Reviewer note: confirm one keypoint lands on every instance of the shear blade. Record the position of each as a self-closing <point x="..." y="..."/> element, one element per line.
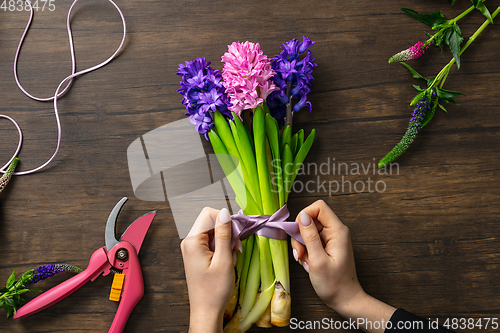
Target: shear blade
<point x="110" y="233"/>
<point x="136" y="232"/>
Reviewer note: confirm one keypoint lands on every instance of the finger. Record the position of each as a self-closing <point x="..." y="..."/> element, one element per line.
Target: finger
<point x="222" y="237"/>
<point x="204" y="222"/>
<point x="321" y="212"/>
<point x="310" y="235"/>
<point x="304" y="262"/>
<point x="298" y="249"/>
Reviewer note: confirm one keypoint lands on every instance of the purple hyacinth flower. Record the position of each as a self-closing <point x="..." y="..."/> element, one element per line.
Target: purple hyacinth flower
<point x="202" y="94"/>
<point x="294" y="67"/>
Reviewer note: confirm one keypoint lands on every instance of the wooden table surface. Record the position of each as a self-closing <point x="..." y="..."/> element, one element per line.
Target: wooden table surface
<point x="427" y="243"/>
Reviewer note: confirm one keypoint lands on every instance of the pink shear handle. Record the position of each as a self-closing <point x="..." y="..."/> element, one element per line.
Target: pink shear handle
<point x="97" y="266"/>
<point x="133" y="289"/>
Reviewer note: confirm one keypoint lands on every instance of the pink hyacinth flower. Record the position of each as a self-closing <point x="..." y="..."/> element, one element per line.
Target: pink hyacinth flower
<point x="411" y="53"/>
<point x="246" y="76"/>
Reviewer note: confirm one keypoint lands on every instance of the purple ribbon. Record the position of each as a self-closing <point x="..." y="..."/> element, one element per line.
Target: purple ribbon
<point x="271" y="226"/>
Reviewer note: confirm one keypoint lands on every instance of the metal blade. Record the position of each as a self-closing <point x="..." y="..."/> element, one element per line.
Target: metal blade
<point x="136" y="232"/>
<point x="110" y="233"/>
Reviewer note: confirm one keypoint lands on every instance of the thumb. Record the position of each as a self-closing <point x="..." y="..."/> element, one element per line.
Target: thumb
<point x="222" y="237"/>
<point x="310" y="235"/>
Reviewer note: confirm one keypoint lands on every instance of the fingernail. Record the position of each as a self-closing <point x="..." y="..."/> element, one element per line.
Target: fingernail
<point x="224" y="216"/>
<point x="295" y="255"/>
<point x="306" y="266"/>
<point x="305" y="220"/>
<point x="235" y="259"/>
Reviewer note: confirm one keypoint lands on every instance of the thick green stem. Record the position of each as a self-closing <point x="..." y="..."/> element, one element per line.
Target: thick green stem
<point x="443" y="74"/>
<point x="451" y="22"/>
<point x="266" y="262"/>
<point x="279" y="251"/>
<point x="252" y="283"/>
<point x="249" y="244"/>
<point x="259" y="308"/>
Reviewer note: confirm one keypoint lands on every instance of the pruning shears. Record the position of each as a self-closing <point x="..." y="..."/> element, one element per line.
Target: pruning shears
<point x="118" y="257"/>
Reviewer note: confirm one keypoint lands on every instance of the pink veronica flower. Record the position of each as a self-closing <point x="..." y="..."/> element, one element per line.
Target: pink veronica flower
<point x="246" y="76"/>
<point x="411" y="53"/>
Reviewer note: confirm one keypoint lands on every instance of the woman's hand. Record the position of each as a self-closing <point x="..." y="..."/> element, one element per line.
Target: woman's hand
<point x="327" y="255"/>
<point x="328" y="258"/>
<point x="209" y="275"/>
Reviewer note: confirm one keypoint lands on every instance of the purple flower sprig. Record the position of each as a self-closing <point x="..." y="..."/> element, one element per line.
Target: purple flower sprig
<point x="420" y="116"/>
<point x="434" y="90"/>
<point x="293" y="67"/>
<point x="10" y="296"/>
<point x="203" y="94"/>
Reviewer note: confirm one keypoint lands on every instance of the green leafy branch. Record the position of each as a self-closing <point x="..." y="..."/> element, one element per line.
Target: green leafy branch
<point x="448" y="31"/>
<point x="427" y="99"/>
<point x="10" y="296"/>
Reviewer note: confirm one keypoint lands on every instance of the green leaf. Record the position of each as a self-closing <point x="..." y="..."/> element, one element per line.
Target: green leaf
<point x="447" y="95"/>
<point x="429" y="82"/>
<point x="442" y="108"/>
<point x="31" y="290"/>
<point x="452" y="3"/>
<point x="479" y="5"/>
<point x="286" y="138"/>
<point x="301" y="154"/>
<point x="414" y="73"/>
<point x="287" y="165"/>
<point x="11" y="280"/>
<point x="431" y="20"/>
<point x="454" y="39"/>
<point x="9" y="301"/>
<point x="418" y="88"/>
<point x="418" y="97"/>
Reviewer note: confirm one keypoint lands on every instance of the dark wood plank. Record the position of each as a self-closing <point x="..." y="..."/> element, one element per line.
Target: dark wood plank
<point x="428" y="243"/>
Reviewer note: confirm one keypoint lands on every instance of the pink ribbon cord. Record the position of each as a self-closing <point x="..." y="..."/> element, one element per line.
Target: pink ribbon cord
<point x="273" y="226"/>
<point x="66" y="83"/>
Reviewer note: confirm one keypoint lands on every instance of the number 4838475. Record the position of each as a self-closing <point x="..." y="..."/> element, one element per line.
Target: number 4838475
<point x="20" y="5"/>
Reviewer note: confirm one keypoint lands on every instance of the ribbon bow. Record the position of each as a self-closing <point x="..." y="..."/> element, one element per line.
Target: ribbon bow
<point x="273" y="226"/>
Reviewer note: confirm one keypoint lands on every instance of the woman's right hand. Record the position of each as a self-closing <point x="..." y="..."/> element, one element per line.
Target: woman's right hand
<point x="327" y="255"/>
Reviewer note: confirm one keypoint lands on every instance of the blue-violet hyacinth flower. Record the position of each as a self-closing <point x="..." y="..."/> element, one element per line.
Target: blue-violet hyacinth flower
<point x="293" y="77"/>
<point x="424" y="106"/>
<point x="203" y="94"/>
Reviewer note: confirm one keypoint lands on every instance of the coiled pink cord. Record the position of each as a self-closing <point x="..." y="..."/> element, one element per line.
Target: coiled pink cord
<point x="67" y="81"/>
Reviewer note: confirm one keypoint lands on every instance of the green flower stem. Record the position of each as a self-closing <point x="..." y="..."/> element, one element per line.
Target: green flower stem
<point x="234" y="178"/>
<point x="443" y="74"/>
<point x="246" y="149"/>
<point x="451" y="22"/>
<point x="260" y="140"/>
<point x="279" y="251"/>
<point x="252" y="283"/>
<point x="289" y="113"/>
<point x="247" y="252"/>
<point x="260" y="306"/>
<point x="266" y="262"/>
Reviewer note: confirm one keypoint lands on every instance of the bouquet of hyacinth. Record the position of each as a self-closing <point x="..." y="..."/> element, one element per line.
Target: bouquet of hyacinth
<point x="246" y="114"/>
